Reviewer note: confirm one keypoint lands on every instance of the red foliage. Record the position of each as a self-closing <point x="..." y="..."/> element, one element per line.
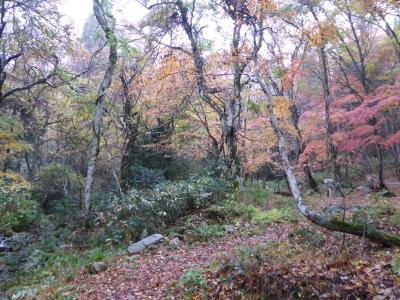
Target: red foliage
<point x="393" y="139"/>
<point x="358" y="125"/>
<point x="375" y="120"/>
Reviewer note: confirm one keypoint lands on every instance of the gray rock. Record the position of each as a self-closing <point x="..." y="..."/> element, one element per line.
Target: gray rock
<point x="328" y="181"/>
<point x="135" y="248"/>
<point x="96" y="267"/>
<point x="140" y="245"/>
<point x="229" y="229"/>
<point x="175" y="242"/>
<point x="3" y="244"/>
<point x="63" y="246"/>
<point x="99" y="266"/>
<point x="25" y="294"/>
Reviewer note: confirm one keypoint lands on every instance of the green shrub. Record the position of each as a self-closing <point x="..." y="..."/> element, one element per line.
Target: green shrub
<point x="38" y="266"/>
<point x="97" y="254"/>
<point x="396" y="263"/>
<point x="192" y="281"/>
<point x="235" y="209"/>
<point x="58" y="189"/>
<point x="142" y="177"/>
<point x="206" y="231"/>
<point x="395" y="218"/>
<point x="284" y="211"/>
<point x="248" y="258"/>
<point x="58" y="177"/>
<point x="259" y="197"/>
<point x="273" y="215"/>
<point x="372" y="214"/>
<point x="17" y="210"/>
<point x="162" y="204"/>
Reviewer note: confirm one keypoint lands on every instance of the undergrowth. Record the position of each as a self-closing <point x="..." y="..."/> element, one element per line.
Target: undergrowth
<point x="281" y="270"/>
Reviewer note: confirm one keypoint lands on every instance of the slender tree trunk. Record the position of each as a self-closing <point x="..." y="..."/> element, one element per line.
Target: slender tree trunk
<point x="330" y="147"/>
<point x="295" y="120"/>
<point x="397" y="167"/>
<point x="380" y="175"/>
<point x="98" y="119"/>
<point x="309" y="178"/>
<point x="230" y="128"/>
<point x="127" y="158"/>
<point x="131" y="135"/>
<point x="396" y="161"/>
<point x="332" y="151"/>
<point x="236" y="100"/>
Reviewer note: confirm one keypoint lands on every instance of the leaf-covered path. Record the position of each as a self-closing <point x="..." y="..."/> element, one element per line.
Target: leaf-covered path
<point x="151" y="274"/>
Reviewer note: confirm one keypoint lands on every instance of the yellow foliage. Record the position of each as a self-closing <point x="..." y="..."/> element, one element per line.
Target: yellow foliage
<point x="11" y="134"/>
<point x="17" y="181"/>
<point x="323" y="33"/>
<point x="261" y="7"/>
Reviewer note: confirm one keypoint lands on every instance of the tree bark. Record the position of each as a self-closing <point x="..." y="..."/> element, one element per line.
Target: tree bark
<point x="295" y="120"/>
<point x="127" y="158"/>
<point x="131" y="133"/>
<point x="108" y="29"/>
<point x="380" y="175"/>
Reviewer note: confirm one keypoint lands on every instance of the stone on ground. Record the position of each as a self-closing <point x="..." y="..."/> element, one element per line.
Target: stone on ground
<point x="96" y="267"/>
<point x="142" y="244"/>
<point x="174" y="243"/>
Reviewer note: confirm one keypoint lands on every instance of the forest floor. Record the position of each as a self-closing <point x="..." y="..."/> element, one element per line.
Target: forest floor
<point x="283" y="252"/>
<point x="150" y="275"/>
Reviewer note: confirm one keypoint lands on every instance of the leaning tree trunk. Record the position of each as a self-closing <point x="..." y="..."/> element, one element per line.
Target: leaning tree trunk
<point x="98" y="119"/>
<point x="323" y="220"/>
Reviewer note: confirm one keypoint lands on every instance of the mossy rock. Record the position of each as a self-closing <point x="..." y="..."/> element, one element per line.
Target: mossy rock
<point x="96" y="267"/>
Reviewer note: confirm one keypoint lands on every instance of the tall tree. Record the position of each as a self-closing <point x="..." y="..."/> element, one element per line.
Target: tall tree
<point x="106" y="22"/>
<point x="225" y="99"/>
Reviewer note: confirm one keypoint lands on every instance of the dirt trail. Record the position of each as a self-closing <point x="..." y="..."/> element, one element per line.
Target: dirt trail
<point x="150" y="274"/>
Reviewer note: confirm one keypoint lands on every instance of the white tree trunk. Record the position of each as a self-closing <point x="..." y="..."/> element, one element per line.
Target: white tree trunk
<point x="98" y="118"/>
